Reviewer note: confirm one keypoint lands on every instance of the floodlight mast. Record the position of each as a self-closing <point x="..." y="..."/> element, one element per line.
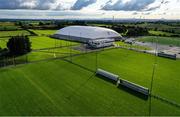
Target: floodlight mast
<point x="70" y="48"/>
<point x="55" y="46"/>
<point x="14" y="61"/>
<point x="25" y="48"/>
<point x="96" y="60"/>
<point x="153" y="74"/>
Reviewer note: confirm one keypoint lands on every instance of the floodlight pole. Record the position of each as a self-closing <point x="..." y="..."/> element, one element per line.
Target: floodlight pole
<point x="70" y="48"/>
<point x="96" y="60"/>
<point x="26" y="58"/>
<point x="152" y="78"/>
<point x="14" y="61"/>
<point x="70" y="52"/>
<point x="55" y="46"/>
<point x="113" y="20"/>
<point x="4" y="61"/>
<point x="86" y="47"/>
<point x="25" y="49"/>
<point x="60" y="43"/>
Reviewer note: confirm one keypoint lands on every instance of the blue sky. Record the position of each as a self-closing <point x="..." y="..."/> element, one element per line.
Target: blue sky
<point x="57" y="9"/>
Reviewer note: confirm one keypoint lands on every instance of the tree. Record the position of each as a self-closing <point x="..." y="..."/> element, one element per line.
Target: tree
<point x="18" y="23"/>
<point x="41" y="23"/>
<point x="19" y="45"/>
<point x="137" y="31"/>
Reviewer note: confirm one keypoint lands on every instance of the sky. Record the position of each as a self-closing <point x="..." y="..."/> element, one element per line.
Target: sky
<point x="90" y="9"/>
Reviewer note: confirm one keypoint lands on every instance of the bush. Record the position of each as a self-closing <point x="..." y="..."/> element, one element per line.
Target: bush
<point x="19" y="45"/>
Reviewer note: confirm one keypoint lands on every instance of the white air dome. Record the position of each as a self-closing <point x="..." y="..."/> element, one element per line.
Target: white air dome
<point x="88" y="32"/>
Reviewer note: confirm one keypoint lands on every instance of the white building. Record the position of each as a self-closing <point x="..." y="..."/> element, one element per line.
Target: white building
<point x="100" y="43"/>
<point x="88" y="34"/>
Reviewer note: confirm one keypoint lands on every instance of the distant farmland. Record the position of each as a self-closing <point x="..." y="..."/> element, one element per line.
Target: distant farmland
<point x="13" y="33"/>
<point x="44" y="32"/>
<point x="157" y="33"/>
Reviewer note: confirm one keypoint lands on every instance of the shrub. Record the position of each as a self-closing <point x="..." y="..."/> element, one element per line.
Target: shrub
<point x="19" y="45"/>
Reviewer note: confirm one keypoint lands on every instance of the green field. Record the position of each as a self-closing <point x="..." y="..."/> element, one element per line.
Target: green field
<point x="57" y="48"/>
<point x="39" y="42"/>
<point x="13" y="33"/>
<point x="137" y="67"/>
<point x="6" y="24"/>
<point x="44" y="32"/>
<point x="9" y="28"/>
<point x="53" y="48"/>
<point x="157" y="33"/>
<point x="152" y="25"/>
<point x="46" y="54"/>
<point x="61" y="88"/>
<point x="161" y="40"/>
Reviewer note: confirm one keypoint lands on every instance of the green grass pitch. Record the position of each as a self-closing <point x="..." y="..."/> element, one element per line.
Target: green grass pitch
<point x="61" y="88"/>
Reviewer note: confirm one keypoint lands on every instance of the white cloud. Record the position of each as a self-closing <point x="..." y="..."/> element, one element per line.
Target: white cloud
<point x="130" y="5"/>
<point x="107" y="8"/>
<point x="36" y="4"/>
<point x="75" y="4"/>
<point x="82" y="3"/>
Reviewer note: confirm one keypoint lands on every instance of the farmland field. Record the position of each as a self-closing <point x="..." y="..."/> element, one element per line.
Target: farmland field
<point x="44" y="32"/>
<point x="13" y="33"/>
<point x="61" y="88"/>
<point x="157" y="33"/>
<point x="159" y="26"/>
<point x="9" y="28"/>
<point x="6" y="24"/>
<point x="161" y="40"/>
